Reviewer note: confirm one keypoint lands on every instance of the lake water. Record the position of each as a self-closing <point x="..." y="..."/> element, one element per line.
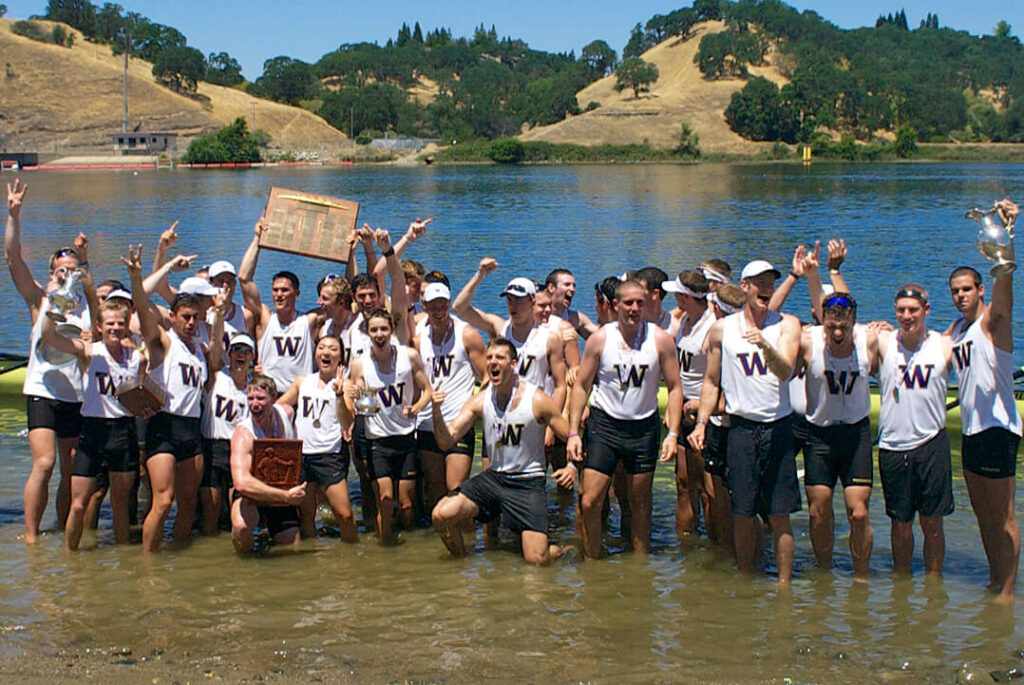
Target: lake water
<point x="362" y="613"/>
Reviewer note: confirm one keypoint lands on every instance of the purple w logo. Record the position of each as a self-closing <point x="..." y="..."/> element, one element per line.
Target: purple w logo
<point x="392" y="395"/>
<point x="918" y="376"/>
<point x="754" y="363"/>
<point x="310" y="404"/>
<point x="962" y="355"/>
<point x="443" y="365"/>
<point x="843" y="385"/>
<point x="287" y="347"/>
<point x="685" y="359"/>
<point x="525" y="363"/>
<point x="635" y="375"/>
<point x="189" y="375"/>
<point x="105" y="384"/>
<point x="224" y="408"/>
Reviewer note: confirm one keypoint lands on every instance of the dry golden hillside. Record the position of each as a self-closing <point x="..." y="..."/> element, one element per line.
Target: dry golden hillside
<point x="64" y="100"/>
<point x="681" y="94"/>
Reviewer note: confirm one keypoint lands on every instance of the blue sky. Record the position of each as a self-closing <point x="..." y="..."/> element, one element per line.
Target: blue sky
<point x="255" y="30"/>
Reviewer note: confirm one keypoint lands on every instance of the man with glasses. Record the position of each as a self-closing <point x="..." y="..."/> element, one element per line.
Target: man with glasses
<point x="838" y="356"/>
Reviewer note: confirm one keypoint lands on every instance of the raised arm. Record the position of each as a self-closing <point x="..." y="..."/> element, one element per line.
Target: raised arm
<point x="27" y="286"/>
<point x="73" y="346"/>
<point x="399" y="298"/>
<point x="999" y="322"/>
<point x="491" y="324"/>
<point x="150" y="326"/>
<point x="246" y="272"/>
<point x="416" y="230"/>
<point x="215" y="355"/>
<point x="836" y="257"/>
<point x="167" y="239"/>
<point x="783" y="290"/>
<point x="447" y="433"/>
<point x="814" y="291"/>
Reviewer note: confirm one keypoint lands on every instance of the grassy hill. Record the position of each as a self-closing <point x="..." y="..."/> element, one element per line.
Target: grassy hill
<point x="681" y="94"/>
<point x="69" y="100"/>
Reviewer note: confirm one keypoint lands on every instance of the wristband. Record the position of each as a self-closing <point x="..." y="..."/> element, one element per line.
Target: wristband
<point x="834" y="272"/>
<point x="793" y="274"/>
<point x="572" y="435"/>
<point x="673" y="434"/>
<point x="702" y="422"/>
<point x="83" y="265"/>
<point x="388" y="252"/>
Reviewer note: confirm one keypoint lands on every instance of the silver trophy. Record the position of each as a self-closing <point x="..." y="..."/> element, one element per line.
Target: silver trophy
<point x="367" y="403"/>
<point x="995" y="240"/>
<point x="65" y="298"/>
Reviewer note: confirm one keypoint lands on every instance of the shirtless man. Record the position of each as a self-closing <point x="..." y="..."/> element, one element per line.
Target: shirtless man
<point x="514" y="415"/>
<point x="625" y="360"/>
<point x="983" y="353"/>
<point x="751" y="356"/>
<point x="251" y="496"/>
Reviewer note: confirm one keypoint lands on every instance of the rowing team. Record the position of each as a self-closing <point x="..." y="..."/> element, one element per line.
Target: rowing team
<point x="748" y="388"/>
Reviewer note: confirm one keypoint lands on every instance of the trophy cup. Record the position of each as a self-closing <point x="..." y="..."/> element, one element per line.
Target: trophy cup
<point x="995" y="240"/>
<point x="63" y="299"/>
<point x="367" y="403"/>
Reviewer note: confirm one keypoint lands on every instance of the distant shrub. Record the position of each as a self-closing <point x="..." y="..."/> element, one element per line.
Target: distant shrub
<point x="507" y="151"/>
<point x="30" y="29"/>
<point x="364" y="139"/>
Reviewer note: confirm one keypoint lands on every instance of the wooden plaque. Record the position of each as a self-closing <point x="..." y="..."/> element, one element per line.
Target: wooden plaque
<point x="141" y="396"/>
<point x="310" y="225"/>
<point x="277" y="462"/>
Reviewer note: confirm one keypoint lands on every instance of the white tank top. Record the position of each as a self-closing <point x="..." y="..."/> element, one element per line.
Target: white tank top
<point x="985" y="375"/>
<point x="316" y="417"/>
<point x="181" y="375"/>
<point x="283" y="428"/>
<point x="286" y="352"/>
<point x="798" y="393"/>
<point x="837" y="387"/>
<point x="532" y="363"/>
<point x="627" y="378"/>
<point x="61" y="381"/>
<point x="226" y="406"/>
<point x="912" y="390"/>
<point x="394" y="390"/>
<point x="99" y="398"/>
<point x="692" y="359"/>
<point x="514" y="438"/>
<point x="751" y="390"/>
<point x="233" y="324"/>
<point x="448" y="363"/>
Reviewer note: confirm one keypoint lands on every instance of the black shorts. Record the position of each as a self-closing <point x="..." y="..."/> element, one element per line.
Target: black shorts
<point x="275" y="519"/>
<point x="171" y="434"/>
<point x="362" y="449"/>
<point x="63" y="417"/>
<point x="992" y="453"/>
<point x="609" y="440"/>
<point x="761" y="467"/>
<point x="520" y="501"/>
<point x="325" y="469"/>
<point x="216" y="464"/>
<point x="394" y="457"/>
<point x="106" y="445"/>
<point x="425" y="442"/>
<point x="715" y="441"/>
<point x="919" y="480"/>
<point x="801" y="431"/>
<point x="839" y="453"/>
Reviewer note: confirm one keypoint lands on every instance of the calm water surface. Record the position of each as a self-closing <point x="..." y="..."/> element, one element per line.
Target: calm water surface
<point x="360" y="613"/>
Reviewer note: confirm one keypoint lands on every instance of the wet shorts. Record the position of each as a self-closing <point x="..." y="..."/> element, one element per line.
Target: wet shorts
<point x="425" y="442"/>
<point x="216" y="464"/>
<point x="801" y="431"/>
<point x="362" y="450"/>
<point x="63" y="417"/>
<point x="918" y="480"/>
<point x="106" y="445"/>
<point x="325" y="469"/>
<point x="394" y="457"/>
<point x="176" y="435"/>
<point x="991" y="453"/>
<point x="609" y="440"/>
<point x="275" y="519"/>
<point x="839" y="453"/>
<point x="715" y="441"/>
<point x="519" y="501"/>
<point x="761" y="467"/>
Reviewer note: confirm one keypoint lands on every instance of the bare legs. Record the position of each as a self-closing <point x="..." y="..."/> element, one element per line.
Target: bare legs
<point x="46" y="449"/>
<point x="993" y="502"/>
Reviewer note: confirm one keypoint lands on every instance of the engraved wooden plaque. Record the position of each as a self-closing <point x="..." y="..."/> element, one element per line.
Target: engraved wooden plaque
<point x="277" y="462"/>
<point x="141" y="396"/>
<point x="309" y="225"/>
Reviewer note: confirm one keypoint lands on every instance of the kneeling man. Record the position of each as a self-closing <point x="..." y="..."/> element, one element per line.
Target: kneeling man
<point x="514" y="414"/>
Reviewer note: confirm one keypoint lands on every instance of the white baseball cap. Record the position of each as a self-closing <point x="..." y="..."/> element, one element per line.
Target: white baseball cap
<point x="758" y="267"/>
<point x="222" y="266"/>
<point x="243" y="339"/>
<point x="676" y="286"/>
<point x="436" y="291"/>
<point x="520" y="287"/>
<point x="119" y="294"/>
<point x="193" y="285"/>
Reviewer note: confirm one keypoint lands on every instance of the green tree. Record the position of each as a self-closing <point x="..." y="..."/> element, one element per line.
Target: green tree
<point x="109" y="21"/>
<point x="1002" y="29"/>
<point x="600" y="57"/>
<point x="180" y="68"/>
<point x="233" y="143"/>
<point x="707" y="10"/>
<point x="637" y="74"/>
<point x="716" y="57"/>
<point x="81" y="14"/>
<point x="507" y="151"/>
<point x="222" y="69"/>
<point x="287" y="80"/>
<point x="759" y="112"/>
<point x="638" y="43"/>
<point x="906" y="141"/>
<point x="3" y="10"/>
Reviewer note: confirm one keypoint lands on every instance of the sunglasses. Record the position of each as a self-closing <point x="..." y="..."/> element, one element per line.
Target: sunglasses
<point x="240" y="348"/>
<point x="913" y="293"/>
<point x="838" y="301"/>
